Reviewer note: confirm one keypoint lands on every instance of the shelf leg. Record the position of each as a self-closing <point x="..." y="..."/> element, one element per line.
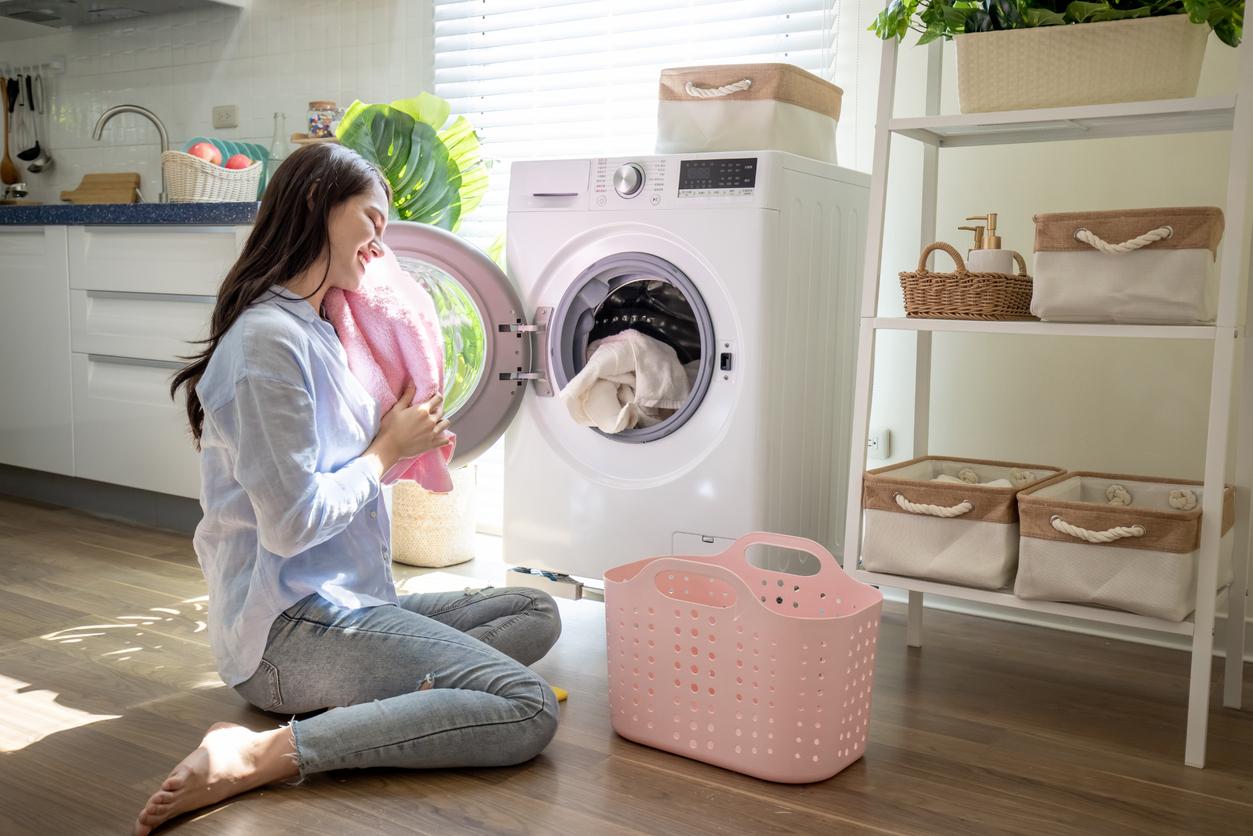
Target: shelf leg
<point x="913" y="623"/>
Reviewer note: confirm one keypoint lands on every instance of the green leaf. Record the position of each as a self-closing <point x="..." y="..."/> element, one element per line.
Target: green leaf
<point x="1044" y="17"/>
<point x="425" y="107"/>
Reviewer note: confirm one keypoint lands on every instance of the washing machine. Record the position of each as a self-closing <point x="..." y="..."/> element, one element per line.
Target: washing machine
<point x="748" y="264"/>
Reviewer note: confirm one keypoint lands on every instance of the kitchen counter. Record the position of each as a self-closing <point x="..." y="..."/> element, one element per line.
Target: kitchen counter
<point x="67" y="214"/>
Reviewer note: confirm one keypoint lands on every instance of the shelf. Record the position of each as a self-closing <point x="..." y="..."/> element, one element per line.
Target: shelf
<point x="1011" y="601"/>
<point x="1169" y="116"/>
<point x="1033" y="328"/>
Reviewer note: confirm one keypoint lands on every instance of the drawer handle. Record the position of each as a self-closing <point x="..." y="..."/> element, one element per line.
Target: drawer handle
<point x="134" y="361"/>
<point x="148" y="296"/>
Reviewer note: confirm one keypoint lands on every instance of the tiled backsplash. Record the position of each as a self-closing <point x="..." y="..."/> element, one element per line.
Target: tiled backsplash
<point x="277" y="55"/>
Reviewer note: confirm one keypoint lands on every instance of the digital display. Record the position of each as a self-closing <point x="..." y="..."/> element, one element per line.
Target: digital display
<point x="716" y="175"/>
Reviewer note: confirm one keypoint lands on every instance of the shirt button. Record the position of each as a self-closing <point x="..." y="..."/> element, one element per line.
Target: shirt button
<point x="374" y="515"/>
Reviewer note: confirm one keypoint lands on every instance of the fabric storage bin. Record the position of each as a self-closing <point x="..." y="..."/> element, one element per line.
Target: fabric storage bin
<point x="747" y="107"/>
<point x="937" y="518"/>
<point x="1151" y="266"/>
<point x="1123" y="542"/>
<point x="758" y="671"/>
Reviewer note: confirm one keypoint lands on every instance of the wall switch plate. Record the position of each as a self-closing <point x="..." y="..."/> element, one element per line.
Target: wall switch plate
<point x="879" y="443"/>
<point x="226" y="116"/>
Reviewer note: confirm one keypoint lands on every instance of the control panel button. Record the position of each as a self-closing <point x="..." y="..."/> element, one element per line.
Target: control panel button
<point x="628" y="179"/>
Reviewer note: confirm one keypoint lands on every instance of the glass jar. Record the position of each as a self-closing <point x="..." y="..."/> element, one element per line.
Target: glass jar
<point x="322" y="118"/>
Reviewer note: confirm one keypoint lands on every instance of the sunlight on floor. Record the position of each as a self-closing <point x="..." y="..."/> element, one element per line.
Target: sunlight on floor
<point x="30" y="716"/>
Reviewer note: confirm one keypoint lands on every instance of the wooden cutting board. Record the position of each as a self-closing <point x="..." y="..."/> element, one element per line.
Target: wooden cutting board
<point x="105" y="188"/>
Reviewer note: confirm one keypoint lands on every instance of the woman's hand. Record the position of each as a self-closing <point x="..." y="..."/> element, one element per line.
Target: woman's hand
<point x="410" y="429"/>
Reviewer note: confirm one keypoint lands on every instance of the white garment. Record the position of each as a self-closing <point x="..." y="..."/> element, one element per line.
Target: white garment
<point x="630" y="380"/>
<point x="995" y="483"/>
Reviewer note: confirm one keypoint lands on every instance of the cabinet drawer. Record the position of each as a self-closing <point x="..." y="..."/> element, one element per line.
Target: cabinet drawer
<point x="127" y="430"/>
<point x="155" y="326"/>
<point x="153" y="259"/>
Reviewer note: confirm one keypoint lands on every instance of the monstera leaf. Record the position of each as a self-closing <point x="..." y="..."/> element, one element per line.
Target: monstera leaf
<point x="436" y="172"/>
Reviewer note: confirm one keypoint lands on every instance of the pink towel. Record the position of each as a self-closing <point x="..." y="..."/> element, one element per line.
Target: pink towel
<point x="390" y="332"/>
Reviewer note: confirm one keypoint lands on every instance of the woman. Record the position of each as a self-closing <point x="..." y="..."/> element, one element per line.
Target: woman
<point x="294" y="543"/>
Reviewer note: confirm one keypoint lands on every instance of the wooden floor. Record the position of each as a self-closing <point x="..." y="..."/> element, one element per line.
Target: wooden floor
<point x="106" y="681"/>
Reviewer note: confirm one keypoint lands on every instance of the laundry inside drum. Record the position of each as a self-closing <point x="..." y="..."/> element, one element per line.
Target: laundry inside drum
<point x="658" y="310"/>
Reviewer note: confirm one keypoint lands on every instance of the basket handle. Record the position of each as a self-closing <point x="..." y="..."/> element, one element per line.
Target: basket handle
<point x="663" y="565"/>
<point x="1109" y="535"/>
<point x="717" y="92"/>
<point x="957" y="259"/>
<point x="1097" y="243"/>
<point x="945" y="512"/>
<point x="739" y="549"/>
<point x="1020" y="262"/>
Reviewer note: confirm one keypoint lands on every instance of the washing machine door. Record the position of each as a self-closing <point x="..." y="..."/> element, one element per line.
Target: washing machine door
<point x="487" y="347"/>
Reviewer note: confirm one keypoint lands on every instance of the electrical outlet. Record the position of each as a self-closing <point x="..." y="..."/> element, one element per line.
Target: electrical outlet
<point x="226" y="116"/>
<point x="879" y="443"/>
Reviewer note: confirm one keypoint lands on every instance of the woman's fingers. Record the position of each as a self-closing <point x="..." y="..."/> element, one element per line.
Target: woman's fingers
<point x="406" y="399"/>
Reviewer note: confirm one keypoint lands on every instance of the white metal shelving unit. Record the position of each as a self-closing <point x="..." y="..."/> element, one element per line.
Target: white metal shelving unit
<point x="1221" y="113"/>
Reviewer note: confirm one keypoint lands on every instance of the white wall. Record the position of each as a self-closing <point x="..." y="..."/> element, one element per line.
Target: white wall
<point x="276" y="56"/>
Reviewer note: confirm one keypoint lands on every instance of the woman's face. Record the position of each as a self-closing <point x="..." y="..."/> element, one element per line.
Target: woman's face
<point x="355" y="231"/>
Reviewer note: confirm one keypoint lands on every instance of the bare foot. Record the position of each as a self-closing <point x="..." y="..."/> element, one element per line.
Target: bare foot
<point x="230" y="760"/>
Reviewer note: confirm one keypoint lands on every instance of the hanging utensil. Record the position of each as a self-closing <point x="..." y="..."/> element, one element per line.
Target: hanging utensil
<point x="8" y="171"/>
<point x="39" y="106"/>
<point x="28" y="138"/>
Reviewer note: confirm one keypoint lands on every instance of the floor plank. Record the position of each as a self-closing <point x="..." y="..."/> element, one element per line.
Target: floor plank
<point x="106" y="681"/>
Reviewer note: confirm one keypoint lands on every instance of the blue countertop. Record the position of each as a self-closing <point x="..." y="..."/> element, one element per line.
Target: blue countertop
<point x="67" y="214"/>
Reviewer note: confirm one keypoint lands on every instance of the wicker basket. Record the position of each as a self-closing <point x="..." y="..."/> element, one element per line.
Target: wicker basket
<point x="965" y="295"/>
<point x="189" y="179"/>
<point x="434" y="529"/>
<point x="1080" y="64"/>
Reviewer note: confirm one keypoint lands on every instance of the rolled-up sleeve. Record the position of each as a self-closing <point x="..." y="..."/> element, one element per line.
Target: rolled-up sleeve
<point x="296" y="505"/>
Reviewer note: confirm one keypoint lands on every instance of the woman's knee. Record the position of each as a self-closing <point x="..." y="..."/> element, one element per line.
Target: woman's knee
<point x="536" y="730"/>
<point x="549" y="621"/>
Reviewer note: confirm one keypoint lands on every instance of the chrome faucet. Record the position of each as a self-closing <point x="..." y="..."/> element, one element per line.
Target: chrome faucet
<point x="147" y="114"/>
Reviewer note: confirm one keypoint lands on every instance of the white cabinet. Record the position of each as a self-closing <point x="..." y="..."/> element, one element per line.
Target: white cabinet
<point x="127" y="430"/>
<point x="140" y="297"/>
<point x="35" y="411"/>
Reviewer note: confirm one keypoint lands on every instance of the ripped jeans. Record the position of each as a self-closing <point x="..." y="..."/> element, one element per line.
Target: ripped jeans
<point x="439" y="681"/>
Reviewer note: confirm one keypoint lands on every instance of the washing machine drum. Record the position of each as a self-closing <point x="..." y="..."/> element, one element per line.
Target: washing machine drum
<point x="646" y="293"/>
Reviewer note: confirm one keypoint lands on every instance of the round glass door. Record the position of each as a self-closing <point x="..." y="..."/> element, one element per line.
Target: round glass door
<point x="475" y="300"/>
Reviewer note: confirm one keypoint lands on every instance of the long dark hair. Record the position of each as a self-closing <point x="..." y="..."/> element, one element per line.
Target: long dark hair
<point x="289" y="234"/>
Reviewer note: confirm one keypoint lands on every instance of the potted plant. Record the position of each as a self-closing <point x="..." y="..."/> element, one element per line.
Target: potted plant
<point x="1020" y="54"/>
<point x="437" y="174"/>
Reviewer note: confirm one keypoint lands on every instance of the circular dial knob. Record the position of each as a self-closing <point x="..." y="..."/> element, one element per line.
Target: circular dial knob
<point x="628" y="180"/>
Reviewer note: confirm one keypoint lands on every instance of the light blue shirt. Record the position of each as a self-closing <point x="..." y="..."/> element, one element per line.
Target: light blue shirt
<point x="290" y="508"/>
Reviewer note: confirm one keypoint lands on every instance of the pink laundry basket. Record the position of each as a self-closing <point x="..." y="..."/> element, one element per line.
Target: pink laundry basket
<point x="763" y="672"/>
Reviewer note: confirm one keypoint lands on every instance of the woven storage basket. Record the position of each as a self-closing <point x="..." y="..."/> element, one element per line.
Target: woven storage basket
<point x="966" y="295"/>
<point x="189" y="179"/>
<point x="1125" y="542"/>
<point x="1080" y="64"/>
<point x="963" y="532"/>
<point x="434" y="529"/>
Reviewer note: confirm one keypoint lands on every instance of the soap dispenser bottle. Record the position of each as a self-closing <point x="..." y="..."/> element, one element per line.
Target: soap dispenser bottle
<point x="987" y="255"/>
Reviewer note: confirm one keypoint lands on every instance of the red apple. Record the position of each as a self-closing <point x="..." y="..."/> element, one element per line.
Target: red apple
<point x="206" y="151"/>
<point x="238" y="161"/>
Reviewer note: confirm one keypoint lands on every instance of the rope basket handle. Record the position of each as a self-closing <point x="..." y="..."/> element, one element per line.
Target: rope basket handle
<point x="1097" y="243"/>
<point x="717" y="92"/>
<point x="940" y="245"/>
<point x="1109" y="535"/>
<point x="1020" y="262"/>
<point x="963" y="507"/>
